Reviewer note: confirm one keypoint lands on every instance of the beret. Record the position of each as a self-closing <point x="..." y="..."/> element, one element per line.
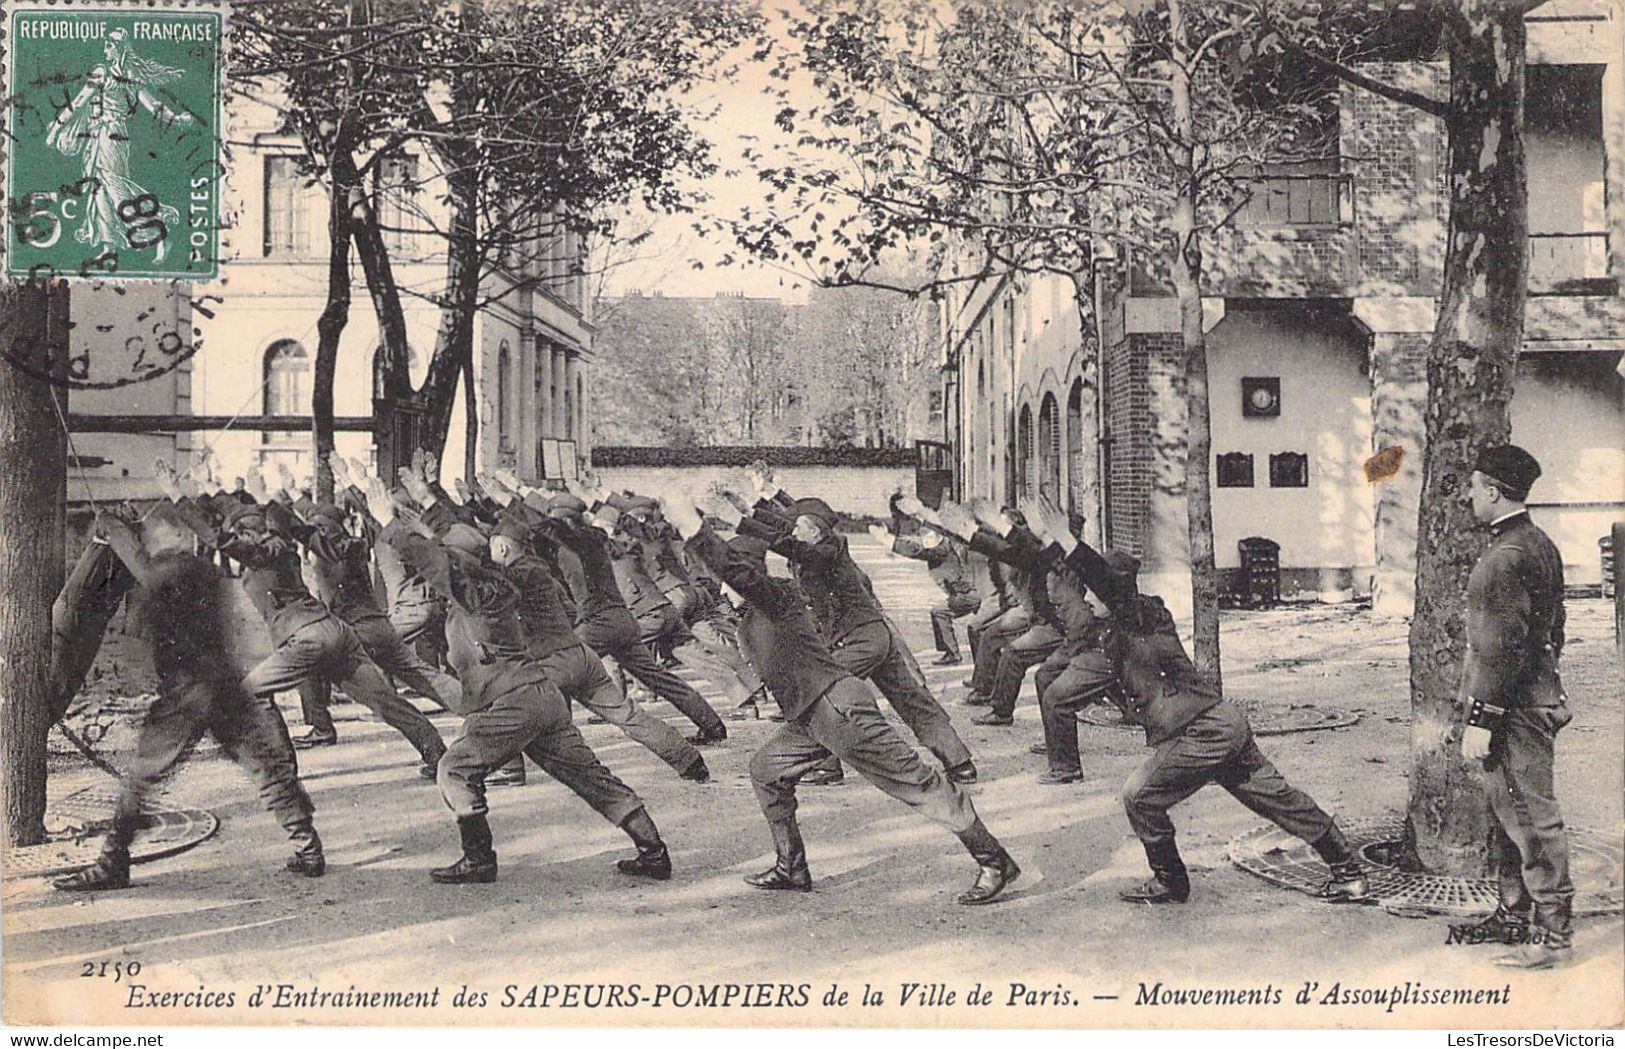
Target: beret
<point x="815" y="508"/>
<point x="1510" y="465"/>
<point x="464" y="537"/>
<point x="750" y="547"/>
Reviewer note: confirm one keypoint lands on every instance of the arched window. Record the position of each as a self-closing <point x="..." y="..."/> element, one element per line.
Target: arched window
<point x="504" y="396"/>
<point x="1049" y="449"/>
<point x="1024" y="452"/>
<point x="1074" y="447"/>
<point x="286" y="387"/>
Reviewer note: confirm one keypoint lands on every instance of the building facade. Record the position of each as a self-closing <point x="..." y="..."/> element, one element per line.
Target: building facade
<point x="257" y="329"/>
<point x="1320" y="303"/>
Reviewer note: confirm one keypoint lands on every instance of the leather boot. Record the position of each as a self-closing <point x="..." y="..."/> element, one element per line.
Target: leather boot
<point x="697" y="771"/>
<point x="1348" y="882"/>
<point x="1170" y="882"/>
<point x="479" y="859"/>
<point x="706" y="737"/>
<point x="307" y="858"/>
<point x="1503" y="926"/>
<point x="790" y="872"/>
<point x="653" y="861"/>
<point x="996" y="869"/>
<point x="110" y="871"/>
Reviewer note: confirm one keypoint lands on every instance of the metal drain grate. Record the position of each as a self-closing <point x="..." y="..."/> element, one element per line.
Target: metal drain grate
<point x="1267" y="719"/>
<point x="77" y="822"/>
<point x="1276" y="856"/>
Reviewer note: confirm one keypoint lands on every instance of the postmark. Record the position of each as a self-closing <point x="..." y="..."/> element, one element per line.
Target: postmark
<point x="114" y="142"/>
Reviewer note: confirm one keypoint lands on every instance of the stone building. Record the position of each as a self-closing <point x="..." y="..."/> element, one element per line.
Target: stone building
<point x="1320" y="304"/>
<point x="532" y="341"/>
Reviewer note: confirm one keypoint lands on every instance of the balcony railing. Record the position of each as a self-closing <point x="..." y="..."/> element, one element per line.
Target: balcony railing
<point x="1568" y="263"/>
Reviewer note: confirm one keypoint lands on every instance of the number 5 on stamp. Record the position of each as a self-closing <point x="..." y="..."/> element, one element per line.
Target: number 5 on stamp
<point x="114" y="164"/>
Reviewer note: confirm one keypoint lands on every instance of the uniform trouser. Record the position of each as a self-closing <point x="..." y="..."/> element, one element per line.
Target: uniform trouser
<point x="958" y="606"/>
<point x="620" y="642"/>
<point x="1068" y="681"/>
<point x="986" y="612"/>
<point x="250" y="730"/>
<point x="580" y="675"/>
<point x="1216" y="747"/>
<point x="330" y="649"/>
<point x="79" y="619"/>
<point x="1010" y="624"/>
<point x="395" y="658"/>
<point x="1023" y="653"/>
<point x="876" y="652"/>
<point x="533" y="720"/>
<point x="846" y="722"/>
<point x="714" y="654"/>
<point x="1530" y="845"/>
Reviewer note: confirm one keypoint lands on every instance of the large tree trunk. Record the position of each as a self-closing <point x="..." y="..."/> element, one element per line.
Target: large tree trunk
<point x="33" y="477"/>
<point x="330" y="325"/>
<point x="454" y="343"/>
<point x="392" y="373"/>
<point x="1187" y="274"/>
<point x="1470" y="371"/>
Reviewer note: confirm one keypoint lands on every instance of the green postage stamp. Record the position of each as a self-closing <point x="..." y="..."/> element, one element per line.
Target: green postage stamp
<point x="113" y="141"/>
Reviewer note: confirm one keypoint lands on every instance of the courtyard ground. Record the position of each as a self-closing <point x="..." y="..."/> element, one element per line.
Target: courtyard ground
<point x="223" y="918"/>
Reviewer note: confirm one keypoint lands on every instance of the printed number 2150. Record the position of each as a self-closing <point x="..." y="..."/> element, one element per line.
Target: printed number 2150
<point x="116" y="970"/>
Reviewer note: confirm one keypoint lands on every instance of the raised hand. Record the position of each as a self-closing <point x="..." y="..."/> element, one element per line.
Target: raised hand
<point x="254" y="485"/>
<point x="200" y="476"/>
<point x="416" y="486"/>
<point x="721" y="507"/>
<point x="880" y="535"/>
<point x="910" y="505"/>
<point x="508" y="478"/>
<point x="761" y="478"/>
<point x="957" y="519"/>
<point x="678" y="508"/>
<point x="168" y="482"/>
<point x="1037" y="523"/>
<point x="380" y="503"/>
<point x="493" y="487"/>
<point x="465" y="494"/>
<point x="1056" y="523"/>
<point x="341" y="471"/>
<point x="285" y="477"/>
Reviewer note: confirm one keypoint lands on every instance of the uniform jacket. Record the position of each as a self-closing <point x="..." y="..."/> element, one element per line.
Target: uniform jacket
<point x="485" y="642"/>
<point x="1515" y="619"/>
<point x="271" y="571"/>
<point x="1022" y="551"/>
<point x="777" y="632"/>
<point x="1162" y="689"/>
<point x="842" y="597"/>
<point x="946" y="562"/>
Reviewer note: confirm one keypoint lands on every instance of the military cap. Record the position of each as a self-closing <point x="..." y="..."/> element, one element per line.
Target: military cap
<point x="566" y="501"/>
<point x="815" y="508"/>
<point x="1122" y="564"/>
<point x="1514" y="469"/>
<point x="512" y="528"/>
<point x="464" y="537"/>
<point x="242" y="512"/>
<point x="639" y="504"/>
<point x="327" y="512"/>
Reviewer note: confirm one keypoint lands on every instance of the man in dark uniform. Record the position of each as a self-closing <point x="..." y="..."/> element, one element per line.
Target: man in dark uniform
<point x="861" y="637"/>
<point x="311" y="642"/>
<point x="573" y="667"/>
<point x="602" y="618"/>
<point x="944" y="558"/>
<point x="509" y="705"/>
<point x="1515" y="705"/>
<point x="181" y="608"/>
<point x="1198" y="737"/>
<point x="826" y="710"/>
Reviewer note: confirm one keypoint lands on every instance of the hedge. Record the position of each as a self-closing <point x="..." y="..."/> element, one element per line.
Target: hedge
<point x="744" y="455"/>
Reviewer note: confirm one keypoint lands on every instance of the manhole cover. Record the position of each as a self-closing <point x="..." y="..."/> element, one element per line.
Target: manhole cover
<point x="77" y="823"/>
<point x="1276" y="856"/>
<point x="1267" y="719"/>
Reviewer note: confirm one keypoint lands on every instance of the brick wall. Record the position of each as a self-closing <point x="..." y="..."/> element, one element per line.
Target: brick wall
<point x="1131" y="465"/>
<point x="1396" y="154"/>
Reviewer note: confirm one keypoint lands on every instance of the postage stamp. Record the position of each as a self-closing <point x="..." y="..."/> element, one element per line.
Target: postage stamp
<point x="114" y="165"/>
